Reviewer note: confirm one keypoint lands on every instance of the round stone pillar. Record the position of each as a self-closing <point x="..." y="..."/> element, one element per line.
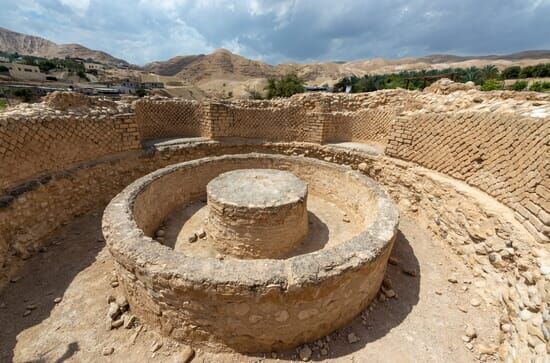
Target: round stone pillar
<point x="257" y="213"/>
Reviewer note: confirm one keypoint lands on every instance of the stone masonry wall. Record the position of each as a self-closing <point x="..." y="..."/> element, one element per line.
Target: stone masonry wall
<point x="360" y="126"/>
<point x="507" y="157"/>
<point x="307" y="119"/>
<point x="33" y="146"/>
<point x="168" y="118"/>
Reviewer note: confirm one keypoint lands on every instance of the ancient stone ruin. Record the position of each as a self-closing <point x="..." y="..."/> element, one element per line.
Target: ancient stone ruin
<point x="277" y="229"/>
<point x="251" y="302"/>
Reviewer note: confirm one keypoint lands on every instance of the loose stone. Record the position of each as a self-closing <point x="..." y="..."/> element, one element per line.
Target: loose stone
<point x="470" y="332"/>
<point x="475" y="302"/>
<point x="305" y="353"/>
<point x="156" y="346"/>
<point x="352" y="338"/>
<point x="114" y="310"/>
<point x="117" y="323"/>
<point x="108" y="351"/>
<point x="525" y="315"/>
<point x="409" y="271"/>
<point x="453" y="279"/>
<point x="186" y="355"/>
<point x="129" y="321"/>
<point x="393" y="261"/>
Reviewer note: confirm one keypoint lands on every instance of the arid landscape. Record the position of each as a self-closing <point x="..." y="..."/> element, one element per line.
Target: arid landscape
<point x="224" y="74"/>
<point x="253" y="182"/>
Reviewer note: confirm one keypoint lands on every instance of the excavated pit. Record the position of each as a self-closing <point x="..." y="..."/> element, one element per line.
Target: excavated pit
<point x="242" y="301"/>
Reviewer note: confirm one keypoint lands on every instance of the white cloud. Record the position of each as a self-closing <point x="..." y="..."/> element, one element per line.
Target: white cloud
<point x="78" y="6"/>
<point x="284" y="30"/>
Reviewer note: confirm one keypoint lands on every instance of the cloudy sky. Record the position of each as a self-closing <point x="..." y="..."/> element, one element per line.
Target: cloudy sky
<point x="277" y="31"/>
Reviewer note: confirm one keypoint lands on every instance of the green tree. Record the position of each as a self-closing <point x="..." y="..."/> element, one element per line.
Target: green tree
<point x="46" y="65"/>
<point x="285" y="86"/>
<point x="527" y="72"/>
<point x="472" y="74"/>
<point x="490" y="71"/>
<point x="511" y="72"/>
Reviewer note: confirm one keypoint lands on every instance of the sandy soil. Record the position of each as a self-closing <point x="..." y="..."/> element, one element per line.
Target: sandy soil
<point x="424" y="323"/>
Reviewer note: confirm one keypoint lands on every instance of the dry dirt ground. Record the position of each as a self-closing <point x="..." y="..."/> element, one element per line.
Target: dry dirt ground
<point x="425" y="322"/>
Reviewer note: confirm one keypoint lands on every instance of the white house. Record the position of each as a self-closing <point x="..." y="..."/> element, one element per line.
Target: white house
<point x="96" y="66"/>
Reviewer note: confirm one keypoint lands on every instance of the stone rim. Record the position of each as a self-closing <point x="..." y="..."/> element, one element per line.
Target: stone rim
<point x="131" y="247"/>
<point x="211" y="191"/>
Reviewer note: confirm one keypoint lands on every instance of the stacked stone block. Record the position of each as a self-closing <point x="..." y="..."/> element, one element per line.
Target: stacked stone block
<point x="34" y="146"/>
<point x="168" y="118"/>
<point x="507" y="157"/>
<point x="359" y="126"/>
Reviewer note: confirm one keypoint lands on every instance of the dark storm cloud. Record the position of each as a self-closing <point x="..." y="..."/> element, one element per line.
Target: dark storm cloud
<point x="286" y="30"/>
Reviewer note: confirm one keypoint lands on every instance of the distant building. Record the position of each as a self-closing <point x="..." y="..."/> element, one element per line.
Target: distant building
<point x="4" y="59"/>
<point x="75" y="59"/>
<point x="24" y="72"/>
<point x="96" y="66"/>
<point x="127" y="86"/>
<point x="151" y="85"/>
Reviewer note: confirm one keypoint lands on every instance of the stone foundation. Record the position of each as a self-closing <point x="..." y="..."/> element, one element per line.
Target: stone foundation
<point x="248" y="305"/>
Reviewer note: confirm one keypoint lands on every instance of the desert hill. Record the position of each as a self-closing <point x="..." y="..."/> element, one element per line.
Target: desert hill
<point x="24" y="44"/>
<point x="222" y="64"/>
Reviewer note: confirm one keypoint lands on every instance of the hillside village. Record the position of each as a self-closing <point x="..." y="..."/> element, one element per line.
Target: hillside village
<point x="42" y="75"/>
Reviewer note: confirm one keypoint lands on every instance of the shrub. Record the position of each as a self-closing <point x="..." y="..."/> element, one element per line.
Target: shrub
<point x="492" y="85"/>
<point x="140" y="92"/>
<point x="519" y="86"/>
<point x="3" y="105"/>
<point x="253" y="94"/>
<point x="540" y="87"/>
<point x="285" y="86"/>
<point x="24" y="93"/>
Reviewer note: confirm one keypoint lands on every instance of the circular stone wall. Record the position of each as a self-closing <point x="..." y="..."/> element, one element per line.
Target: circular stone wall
<point x="257" y="213"/>
<point x="248" y="305"/>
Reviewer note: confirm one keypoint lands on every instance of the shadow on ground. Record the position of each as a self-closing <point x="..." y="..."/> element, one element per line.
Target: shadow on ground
<point x="384" y="316"/>
<point x="44" y="277"/>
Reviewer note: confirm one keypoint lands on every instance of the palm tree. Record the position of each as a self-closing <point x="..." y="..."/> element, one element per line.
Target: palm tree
<point x="490" y="71"/>
<point x="471" y="74"/>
